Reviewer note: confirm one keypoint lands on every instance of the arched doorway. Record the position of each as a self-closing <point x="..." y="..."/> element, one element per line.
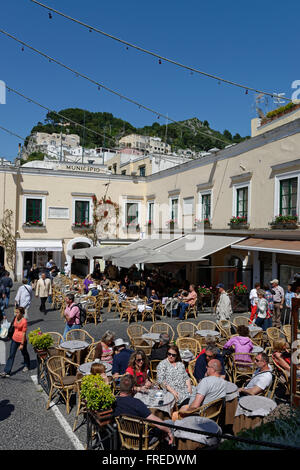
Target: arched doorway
<point x="79" y="266"/>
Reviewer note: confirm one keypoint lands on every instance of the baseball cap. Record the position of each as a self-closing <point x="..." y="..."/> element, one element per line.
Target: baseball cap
<point x="220" y="285"/>
<point x="275" y="281"/>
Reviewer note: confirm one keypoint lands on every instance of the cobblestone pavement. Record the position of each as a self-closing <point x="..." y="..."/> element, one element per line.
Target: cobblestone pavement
<point x="24" y="421"/>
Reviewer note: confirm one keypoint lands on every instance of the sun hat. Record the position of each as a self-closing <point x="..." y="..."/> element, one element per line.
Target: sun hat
<point x="120" y="342"/>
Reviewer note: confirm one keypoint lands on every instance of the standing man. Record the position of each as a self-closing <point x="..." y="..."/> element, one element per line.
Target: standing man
<point x="6" y="281"/>
<point x="278" y="299"/>
<point x="43" y="290"/>
<point x="186" y="302"/>
<point x="24" y="297"/>
<point x="223" y="308"/>
<point x="253" y="300"/>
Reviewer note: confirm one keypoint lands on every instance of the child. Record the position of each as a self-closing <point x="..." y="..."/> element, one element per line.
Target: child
<point x="99" y="369"/>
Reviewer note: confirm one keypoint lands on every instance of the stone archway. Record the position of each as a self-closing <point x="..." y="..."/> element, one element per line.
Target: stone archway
<point x="80" y="242"/>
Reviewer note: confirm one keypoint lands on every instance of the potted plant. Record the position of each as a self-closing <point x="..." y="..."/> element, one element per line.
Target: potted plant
<point x="284" y="222"/>
<point x="239" y="222"/>
<point x="97" y="396"/>
<point x="41" y="342"/>
<point x="240" y="297"/>
<point x="205" y="222"/>
<point x="34" y="223"/>
<point x="171" y="224"/>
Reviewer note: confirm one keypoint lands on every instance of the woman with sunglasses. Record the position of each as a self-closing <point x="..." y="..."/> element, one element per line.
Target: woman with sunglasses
<point x="138" y="367"/>
<point x="171" y="374"/>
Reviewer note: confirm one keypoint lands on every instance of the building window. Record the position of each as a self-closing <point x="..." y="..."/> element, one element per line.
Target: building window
<point x="174" y="209"/>
<point x="288" y="196"/>
<point x="205" y="206"/>
<point x="123" y="172"/>
<point x="142" y="170"/>
<point x="132" y="213"/>
<point x="150" y="211"/>
<point x="242" y="202"/>
<point x="34" y="210"/>
<point x="82" y="212"/>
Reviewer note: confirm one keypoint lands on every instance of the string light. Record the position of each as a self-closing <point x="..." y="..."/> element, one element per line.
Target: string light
<point x="50" y="15"/>
<point x="166" y="59"/>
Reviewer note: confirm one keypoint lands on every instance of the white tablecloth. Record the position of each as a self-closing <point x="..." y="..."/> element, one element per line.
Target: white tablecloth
<point x="153" y="336"/>
<point x="74" y="345"/>
<point x="207" y="333"/>
<point x="255" y="406"/>
<point x="85" y="368"/>
<point x="200" y="424"/>
<point x="253" y="330"/>
<point x="154" y="402"/>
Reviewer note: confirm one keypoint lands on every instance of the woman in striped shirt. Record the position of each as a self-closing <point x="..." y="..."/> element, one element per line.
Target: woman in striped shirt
<point x="107" y="343"/>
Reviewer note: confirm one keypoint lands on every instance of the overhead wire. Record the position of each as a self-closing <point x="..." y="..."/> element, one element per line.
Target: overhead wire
<point x="158" y="56"/>
<point x="110" y="90"/>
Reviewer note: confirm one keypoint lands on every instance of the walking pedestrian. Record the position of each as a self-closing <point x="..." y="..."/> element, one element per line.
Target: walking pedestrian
<point x="278" y="299"/>
<point x="24" y="297"/>
<point x="223" y="308"/>
<point x="286" y="318"/>
<point x="253" y="300"/>
<point x="7" y="282"/>
<point x="18" y="341"/>
<point x="43" y="290"/>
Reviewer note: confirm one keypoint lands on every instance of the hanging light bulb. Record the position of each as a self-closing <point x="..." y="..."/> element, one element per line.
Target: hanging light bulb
<point x="50" y="15"/>
<point x="159" y="61"/>
<point x="22" y="49"/>
<point x="127" y="48"/>
<point x="246" y="93"/>
<point x="99" y="88"/>
<point x="90" y="30"/>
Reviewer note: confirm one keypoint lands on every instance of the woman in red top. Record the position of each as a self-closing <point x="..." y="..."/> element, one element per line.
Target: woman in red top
<point x="18" y="342"/>
<point x="138" y="367"/>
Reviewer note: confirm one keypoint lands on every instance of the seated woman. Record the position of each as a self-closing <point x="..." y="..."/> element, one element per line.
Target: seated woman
<point x="88" y="280"/>
<point x="99" y="369"/>
<point x="107" y="343"/>
<point x="282" y="355"/>
<point x="241" y="343"/>
<point x="171" y="374"/>
<point x="138" y="367"/>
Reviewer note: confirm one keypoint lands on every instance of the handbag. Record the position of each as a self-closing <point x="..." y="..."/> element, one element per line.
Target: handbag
<point x="11" y="329"/>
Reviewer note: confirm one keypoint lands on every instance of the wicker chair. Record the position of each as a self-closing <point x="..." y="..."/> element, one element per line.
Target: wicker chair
<point x="239" y="320"/>
<point x="57" y="338"/>
<point x="60" y="382"/>
<point x="80" y="335"/>
<point x="211" y="410"/>
<point x="191" y="310"/>
<point x="206" y="325"/>
<point x="140" y="344"/>
<point x="186" y="328"/>
<point x="242" y="369"/>
<point x="287" y="330"/>
<point x="273" y="334"/>
<point x="90" y="357"/>
<point x="135" y="331"/>
<point x="91" y="308"/>
<point x="224" y="326"/>
<point x="131" y="430"/>
<point x="127" y="311"/>
<point x="161" y="327"/>
<point x="191" y="368"/>
<point x="153" y="365"/>
<point x="147" y="312"/>
<point x="188" y="343"/>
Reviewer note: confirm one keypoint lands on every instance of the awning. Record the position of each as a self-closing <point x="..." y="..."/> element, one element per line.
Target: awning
<point x="39" y="245"/>
<point x="188" y="248"/>
<point x="80" y="253"/>
<point x="289" y="247"/>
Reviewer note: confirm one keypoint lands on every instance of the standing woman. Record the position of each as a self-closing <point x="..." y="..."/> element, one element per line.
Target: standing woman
<point x="172" y="375"/>
<point x="18" y="342"/>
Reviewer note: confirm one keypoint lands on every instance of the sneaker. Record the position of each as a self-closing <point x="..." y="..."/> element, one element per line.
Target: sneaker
<point x="25" y="369"/>
<point x="4" y="374"/>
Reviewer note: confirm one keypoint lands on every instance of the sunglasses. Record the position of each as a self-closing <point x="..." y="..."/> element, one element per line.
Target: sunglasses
<point x="173" y="355"/>
<point x="139" y="360"/>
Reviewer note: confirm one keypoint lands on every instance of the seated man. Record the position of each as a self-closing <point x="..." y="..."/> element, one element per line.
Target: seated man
<point x="210" y="388"/>
<point x="211" y="352"/>
<point x="159" y="350"/>
<point x="122" y="295"/>
<point x="153" y="298"/>
<point x="127" y="405"/>
<point x="186" y="302"/>
<point x="93" y="290"/>
<point x="104" y="282"/>
<point x="261" y="378"/>
<point x="121" y="358"/>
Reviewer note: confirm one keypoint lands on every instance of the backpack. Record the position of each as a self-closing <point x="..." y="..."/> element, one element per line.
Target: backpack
<point x="82" y="313"/>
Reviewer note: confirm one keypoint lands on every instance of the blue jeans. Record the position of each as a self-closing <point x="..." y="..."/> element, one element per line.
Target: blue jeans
<point x="12" y="353"/>
<point x="264" y="323"/>
<point x="182" y="307"/>
<point x="68" y="328"/>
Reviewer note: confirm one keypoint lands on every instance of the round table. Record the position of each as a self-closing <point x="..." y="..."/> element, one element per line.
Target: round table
<point x="186" y="355"/>
<point x="85" y="368"/>
<point x="74" y="347"/>
<point x="257" y="349"/>
<point x="208" y="333"/>
<point x="253" y="330"/>
<point x="164" y="403"/>
<point x="153" y="336"/>
<point x="187" y="440"/>
<point x="232" y="398"/>
<point x="250" y="412"/>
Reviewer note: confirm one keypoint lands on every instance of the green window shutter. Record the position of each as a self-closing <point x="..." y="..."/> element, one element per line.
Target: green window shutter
<point x="242" y="202"/>
<point x="288" y="196"/>
<point x="33" y="210"/>
<point x="206" y="206"/>
<point x="82" y="212"/>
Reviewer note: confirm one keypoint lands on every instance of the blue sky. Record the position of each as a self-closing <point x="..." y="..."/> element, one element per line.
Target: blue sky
<point x="254" y="44"/>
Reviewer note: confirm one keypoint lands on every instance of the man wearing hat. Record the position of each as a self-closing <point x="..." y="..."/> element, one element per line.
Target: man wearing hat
<point x="223" y="308"/>
<point x="121" y="357"/>
<point x="278" y="300"/>
<point x="93" y="290"/>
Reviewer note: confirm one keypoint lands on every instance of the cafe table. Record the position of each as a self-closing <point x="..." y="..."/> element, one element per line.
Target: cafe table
<point x="156" y="399"/>
<point x="152" y="336"/>
<point x="74" y="348"/>
<point x="187" y="440"/>
<point x="231" y="401"/>
<point x="85" y="368"/>
<point x="253" y="330"/>
<point x="250" y="412"/>
<point x="208" y="333"/>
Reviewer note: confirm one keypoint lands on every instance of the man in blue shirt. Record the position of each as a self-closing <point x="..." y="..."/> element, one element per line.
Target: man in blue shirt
<point x="121" y="358"/>
<point x="211" y="352"/>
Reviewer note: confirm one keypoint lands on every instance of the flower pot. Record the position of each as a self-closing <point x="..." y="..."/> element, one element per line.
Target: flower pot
<point x="239" y="226"/>
<point x="103" y="417"/>
<point x="285" y="226"/>
<point x="42" y="353"/>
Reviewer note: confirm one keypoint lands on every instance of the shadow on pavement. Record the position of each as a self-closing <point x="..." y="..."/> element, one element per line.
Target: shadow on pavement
<point x="6" y="409"/>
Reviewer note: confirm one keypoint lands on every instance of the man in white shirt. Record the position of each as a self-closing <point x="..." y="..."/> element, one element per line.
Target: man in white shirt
<point x="210" y="388"/>
<point x="24" y="296"/>
<point x="223" y="308"/>
<point x="261" y="378"/>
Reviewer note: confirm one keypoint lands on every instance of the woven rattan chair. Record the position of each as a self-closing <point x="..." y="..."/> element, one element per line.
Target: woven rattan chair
<point x="191" y="311"/>
<point x="91" y="310"/>
<point x="81" y="406"/>
<point x="191" y="368"/>
<point x="242" y="369"/>
<point x="239" y="320"/>
<point x="287" y="330"/>
<point x="131" y="430"/>
<point x="161" y="327"/>
<point x="60" y="382"/>
<point x="149" y="313"/>
<point x="140" y="344"/>
<point x="135" y="331"/>
<point x="211" y="410"/>
<point x="80" y="335"/>
<point x="153" y="366"/>
<point x="206" y="325"/>
<point x="186" y="328"/>
<point x="57" y="338"/>
<point x="128" y="311"/>
<point x="188" y="343"/>
<point x="224" y="326"/>
<point x="90" y="357"/>
<point x="273" y="334"/>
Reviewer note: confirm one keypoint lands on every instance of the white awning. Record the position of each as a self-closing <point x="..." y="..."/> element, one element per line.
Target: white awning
<point x="39" y="245"/>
